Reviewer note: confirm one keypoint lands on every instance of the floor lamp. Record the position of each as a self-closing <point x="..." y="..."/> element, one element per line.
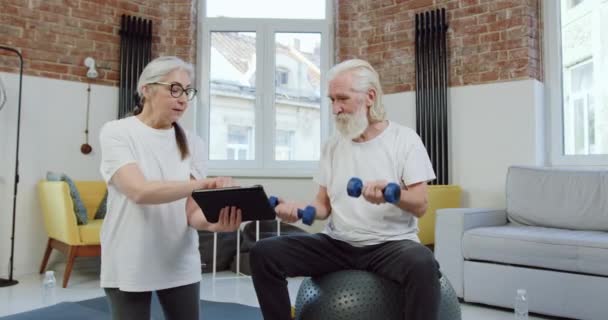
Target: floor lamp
<point x="10" y="281"/>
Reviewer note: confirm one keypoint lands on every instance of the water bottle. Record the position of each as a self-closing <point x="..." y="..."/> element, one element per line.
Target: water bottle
<point x="521" y="305"/>
<point x="48" y="288"/>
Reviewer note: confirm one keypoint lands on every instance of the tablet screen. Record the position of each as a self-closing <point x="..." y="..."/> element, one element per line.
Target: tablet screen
<point x="252" y="201"/>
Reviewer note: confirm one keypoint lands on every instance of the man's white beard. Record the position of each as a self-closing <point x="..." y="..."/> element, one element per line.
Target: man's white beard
<point x="351" y="126"/>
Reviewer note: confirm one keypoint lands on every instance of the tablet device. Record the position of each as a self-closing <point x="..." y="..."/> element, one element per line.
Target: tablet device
<point x="252" y="201"/>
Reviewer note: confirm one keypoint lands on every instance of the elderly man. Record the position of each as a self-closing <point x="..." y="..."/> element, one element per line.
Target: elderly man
<point x="365" y="233"/>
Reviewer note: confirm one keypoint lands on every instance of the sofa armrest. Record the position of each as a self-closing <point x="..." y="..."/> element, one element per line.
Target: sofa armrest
<point x="58" y="211"/>
<point x="449" y="229"/>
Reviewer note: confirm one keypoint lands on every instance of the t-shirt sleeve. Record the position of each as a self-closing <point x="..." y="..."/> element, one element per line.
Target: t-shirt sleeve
<point x="417" y="166"/>
<point x="198" y="150"/>
<point x="115" y="150"/>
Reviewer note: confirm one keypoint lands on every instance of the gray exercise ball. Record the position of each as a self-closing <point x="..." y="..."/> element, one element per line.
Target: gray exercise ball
<point x="361" y="295"/>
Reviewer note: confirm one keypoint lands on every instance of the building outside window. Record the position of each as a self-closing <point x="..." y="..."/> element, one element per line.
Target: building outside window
<point x="239" y="143"/>
<point x="577" y="68"/>
<point x="263" y="70"/>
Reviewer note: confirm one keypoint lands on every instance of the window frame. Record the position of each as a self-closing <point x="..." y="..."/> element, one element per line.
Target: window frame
<point x="264" y="164"/>
<point x="554" y="91"/>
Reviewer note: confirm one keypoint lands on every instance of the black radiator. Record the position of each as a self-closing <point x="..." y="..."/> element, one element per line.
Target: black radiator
<point x="432" y="89"/>
<point x="135" y="53"/>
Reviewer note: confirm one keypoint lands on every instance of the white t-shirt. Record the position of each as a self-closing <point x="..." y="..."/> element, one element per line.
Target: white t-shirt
<point x="148" y="247"/>
<point x="398" y="155"/>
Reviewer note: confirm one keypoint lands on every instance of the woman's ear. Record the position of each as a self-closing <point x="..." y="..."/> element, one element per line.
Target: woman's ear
<point x="147" y="91"/>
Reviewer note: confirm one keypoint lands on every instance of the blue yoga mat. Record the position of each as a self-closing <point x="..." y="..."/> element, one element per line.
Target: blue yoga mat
<point x="98" y="309"/>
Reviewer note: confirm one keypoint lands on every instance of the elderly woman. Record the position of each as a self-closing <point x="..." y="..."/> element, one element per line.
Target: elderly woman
<point x="151" y="165"/>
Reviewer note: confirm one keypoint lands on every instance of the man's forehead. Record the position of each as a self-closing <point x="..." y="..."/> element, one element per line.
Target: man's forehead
<point x="345" y="76"/>
<point x="341" y="82"/>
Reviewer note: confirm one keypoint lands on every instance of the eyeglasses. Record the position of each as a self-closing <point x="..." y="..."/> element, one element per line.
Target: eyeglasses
<point x="177" y="90"/>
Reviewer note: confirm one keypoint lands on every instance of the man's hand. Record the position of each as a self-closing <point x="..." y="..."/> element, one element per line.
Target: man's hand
<point x="288" y="211"/>
<point x="373" y="191"/>
<point x="229" y="220"/>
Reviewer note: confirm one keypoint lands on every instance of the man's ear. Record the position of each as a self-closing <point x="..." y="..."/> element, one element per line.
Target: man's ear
<point x="370" y="97"/>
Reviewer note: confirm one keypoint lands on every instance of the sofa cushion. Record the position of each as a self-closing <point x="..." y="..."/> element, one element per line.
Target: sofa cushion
<point x="89" y="233"/>
<point x="556" y="249"/>
<point x="558" y="198"/>
<point x="79" y="208"/>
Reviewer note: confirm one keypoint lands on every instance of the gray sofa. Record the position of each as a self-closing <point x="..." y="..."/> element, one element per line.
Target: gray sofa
<point x="552" y="240"/>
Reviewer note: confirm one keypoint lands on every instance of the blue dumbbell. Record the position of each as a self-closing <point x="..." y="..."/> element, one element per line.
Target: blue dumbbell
<point x="274" y="201"/>
<point x="307" y="215"/>
<point x="392" y="191"/>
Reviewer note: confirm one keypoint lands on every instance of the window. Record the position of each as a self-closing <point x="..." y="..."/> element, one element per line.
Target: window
<point x="579" y="115"/>
<point x="576" y="55"/>
<point x="239" y="142"/>
<point x="574" y="3"/>
<point x="278" y="9"/>
<point x="281" y="77"/>
<point x="284" y="144"/>
<point x="261" y="85"/>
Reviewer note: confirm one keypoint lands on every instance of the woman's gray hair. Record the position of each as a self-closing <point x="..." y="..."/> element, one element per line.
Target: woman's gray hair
<point x="365" y="78"/>
<point x="158" y="68"/>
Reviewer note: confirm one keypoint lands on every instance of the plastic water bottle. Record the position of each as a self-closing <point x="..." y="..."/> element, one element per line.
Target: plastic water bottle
<point x="521" y="305"/>
<point x="48" y="288"/>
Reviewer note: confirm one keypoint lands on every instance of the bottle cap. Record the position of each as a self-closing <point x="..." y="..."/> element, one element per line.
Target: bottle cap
<point x="49" y="273"/>
<point x="521" y="291"/>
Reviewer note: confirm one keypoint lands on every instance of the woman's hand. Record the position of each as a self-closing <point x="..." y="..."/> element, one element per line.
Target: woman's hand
<point x="217" y="182"/>
<point x="229" y="220"/>
<point x="224" y="182"/>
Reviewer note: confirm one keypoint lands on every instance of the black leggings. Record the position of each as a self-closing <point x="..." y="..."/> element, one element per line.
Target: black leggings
<point x="178" y="303"/>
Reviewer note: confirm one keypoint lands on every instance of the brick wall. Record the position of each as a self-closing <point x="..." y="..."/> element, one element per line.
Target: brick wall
<point x="55" y="36"/>
<point x="488" y="40"/>
<point x="178" y="29"/>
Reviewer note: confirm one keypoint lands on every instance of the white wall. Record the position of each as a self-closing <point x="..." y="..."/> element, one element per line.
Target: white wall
<point x="52" y="131"/>
<point x="492" y="126"/>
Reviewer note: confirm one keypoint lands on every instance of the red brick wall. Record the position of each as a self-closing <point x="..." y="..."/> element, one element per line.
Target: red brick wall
<point x="489" y="40"/>
<point x="178" y="29"/>
<point x="55" y="36"/>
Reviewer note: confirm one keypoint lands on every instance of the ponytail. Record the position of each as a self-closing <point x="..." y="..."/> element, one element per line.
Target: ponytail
<point x="139" y="104"/>
<point x="182" y="141"/>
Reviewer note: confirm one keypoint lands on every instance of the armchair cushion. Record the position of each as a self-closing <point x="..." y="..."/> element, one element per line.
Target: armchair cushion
<point x="79" y="209"/>
<point x="440" y="196"/>
<point x="89" y="233"/>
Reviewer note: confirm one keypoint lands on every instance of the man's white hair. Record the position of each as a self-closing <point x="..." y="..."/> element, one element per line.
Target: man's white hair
<point x="364" y="79"/>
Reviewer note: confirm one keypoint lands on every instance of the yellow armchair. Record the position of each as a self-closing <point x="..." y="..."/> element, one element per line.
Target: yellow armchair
<point x="65" y="235"/>
<point x="440" y="196"/>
